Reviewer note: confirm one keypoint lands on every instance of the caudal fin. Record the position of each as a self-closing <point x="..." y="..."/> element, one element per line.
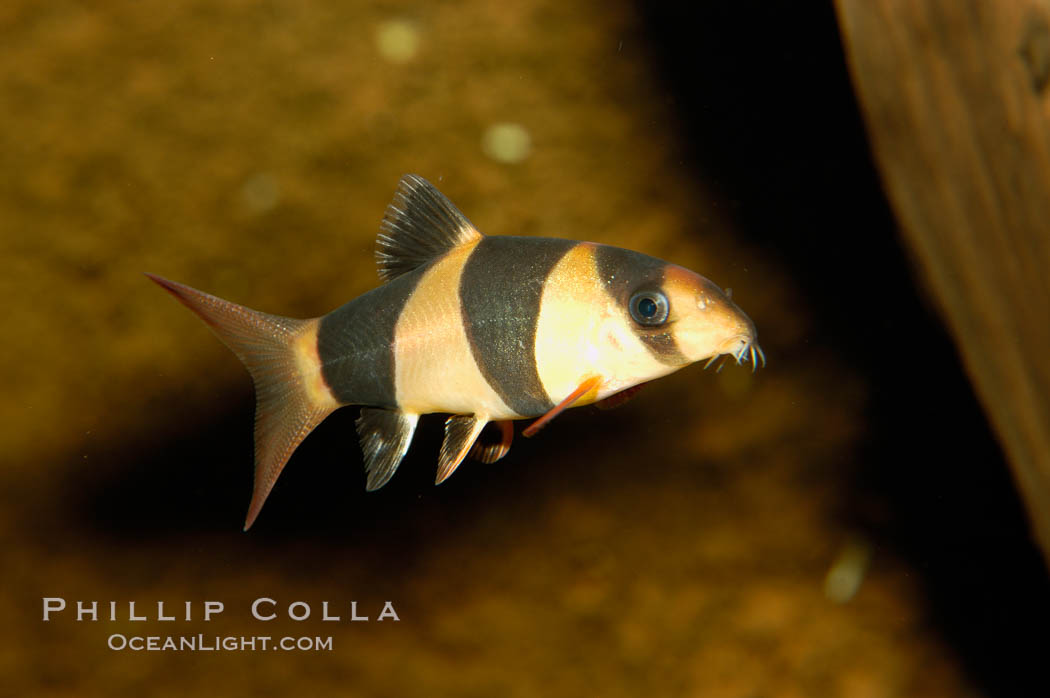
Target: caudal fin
<point x="280" y="353"/>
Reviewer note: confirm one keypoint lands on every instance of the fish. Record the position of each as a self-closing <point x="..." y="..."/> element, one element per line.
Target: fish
<point x="484" y="328"/>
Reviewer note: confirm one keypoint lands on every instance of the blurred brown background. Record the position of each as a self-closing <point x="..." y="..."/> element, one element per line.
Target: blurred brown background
<point x="680" y="545"/>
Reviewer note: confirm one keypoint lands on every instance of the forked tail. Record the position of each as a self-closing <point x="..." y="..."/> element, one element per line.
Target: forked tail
<point x="291" y="397"/>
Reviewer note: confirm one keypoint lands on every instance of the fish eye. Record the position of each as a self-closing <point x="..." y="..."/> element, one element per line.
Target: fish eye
<point x="649" y="308"/>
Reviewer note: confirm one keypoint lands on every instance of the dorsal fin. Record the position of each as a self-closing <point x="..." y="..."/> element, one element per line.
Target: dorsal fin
<point x="420" y="224"/>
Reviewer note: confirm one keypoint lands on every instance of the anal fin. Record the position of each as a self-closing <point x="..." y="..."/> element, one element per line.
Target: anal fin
<point x="573" y="397"/>
<point x="385" y="436"/>
<point x="461" y="430"/>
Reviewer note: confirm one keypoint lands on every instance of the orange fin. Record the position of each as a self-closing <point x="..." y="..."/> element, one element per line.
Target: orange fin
<point x="286" y="408"/>
<point x="620" y="398"/>
<point x="461" y="430"/>
<point x="490" y="453"/>
<point x="584" y="388"/>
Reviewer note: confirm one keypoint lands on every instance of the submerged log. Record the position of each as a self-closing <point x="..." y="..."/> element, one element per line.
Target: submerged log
<point x="956" y="101"/>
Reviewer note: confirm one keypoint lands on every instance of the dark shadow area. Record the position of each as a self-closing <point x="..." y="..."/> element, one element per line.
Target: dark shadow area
<point x="771" y="124"/>
<point x="177" y="480"/>
<point x="191" y="478"/>
<point x="199" y="471"/>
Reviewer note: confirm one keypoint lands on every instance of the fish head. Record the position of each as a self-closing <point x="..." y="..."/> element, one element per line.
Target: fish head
<point x="668" y="317"/>
<point x="630" y="318"/>
<point x="702" y="319"/>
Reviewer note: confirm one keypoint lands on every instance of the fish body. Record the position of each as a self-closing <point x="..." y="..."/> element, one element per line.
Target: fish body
<point x="485" y="328"/>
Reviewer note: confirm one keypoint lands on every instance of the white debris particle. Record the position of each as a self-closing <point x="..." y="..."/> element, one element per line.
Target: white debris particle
<point x="397" y="40"/>
<point x="847" y="572"/>
<point x="260" y="193"/>
<point x="506" y="142"/>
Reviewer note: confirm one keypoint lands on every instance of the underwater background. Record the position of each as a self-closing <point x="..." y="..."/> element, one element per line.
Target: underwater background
<point x="841" y="522"/>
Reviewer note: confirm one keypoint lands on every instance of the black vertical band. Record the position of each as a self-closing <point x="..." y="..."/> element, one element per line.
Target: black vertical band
<point x="500" y="292"/>
<point x="355" y="343"/>
<point x="624" y="273"/>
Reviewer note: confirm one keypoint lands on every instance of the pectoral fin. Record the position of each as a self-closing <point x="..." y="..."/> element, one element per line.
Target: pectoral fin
<point x="573" y="397"/>
<point x="385" y="436"/>
<point x="620" y="398"/>
<point x="461" y="430"/>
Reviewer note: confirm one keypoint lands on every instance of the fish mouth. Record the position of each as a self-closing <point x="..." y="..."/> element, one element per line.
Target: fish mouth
<point x="743" y="348"/>
<point x="751" y="350"/>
